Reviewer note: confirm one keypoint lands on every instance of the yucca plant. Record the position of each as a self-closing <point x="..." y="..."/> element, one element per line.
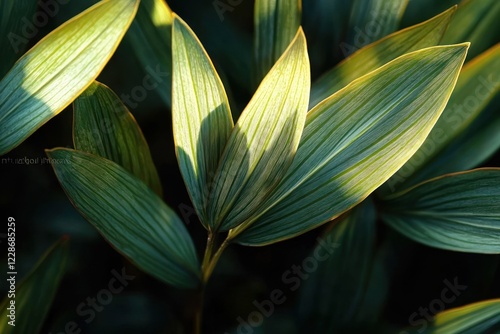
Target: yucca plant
<point x="371" y="141"/>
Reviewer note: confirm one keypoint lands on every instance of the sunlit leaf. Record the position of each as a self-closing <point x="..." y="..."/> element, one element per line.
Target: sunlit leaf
<point x="15" y="33"/>
<point x="355" y="140"/>
<point x="475" y="21"/>
<point x="332" y="296"/>
<point x="372" y="56"/>
<point x="35" y="293"/>
<point x="60" y="67"/>
<point x="475" y="88"/>
<point x="103" y="126"/>
<point x="458" y="211"/>
<point x="371" y="20"/>
<point x="276" y="23"/>
<point x="264" y="141"/>
<point x="129" y="215"/>
<point x="151" y="38"/>
<point x="201" y="116"/>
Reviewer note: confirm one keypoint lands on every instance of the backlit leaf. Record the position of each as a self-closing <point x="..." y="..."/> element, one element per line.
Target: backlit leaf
<point x="459" y="212"/>
<point x="201" y="115"/>
<point x="59" y="68"/>
<point x="129" y="215"/>
<point x="103" y="126"/>
<point x="355" y="140"/>
<point x="264" y="141"/>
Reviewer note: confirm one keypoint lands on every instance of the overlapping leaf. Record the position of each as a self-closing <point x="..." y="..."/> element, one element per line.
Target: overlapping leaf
<point x="151" y="38"/>
<point x="263" y="142"/>
<point x="103" y="126"/>
<point x="372" y="56"/>
<point x="129" y="215"/>
<point x="475" y="21"/>
<point x="35" y="293"/>
<point x="475" y="88"/>
<point x="201" y="116"/>
<point x="276" y="23"/>
<point x="56" y="70"/>
<point x="332" y="297"/>
<point x="355" y="140"/>
<point x="458" y="211"/>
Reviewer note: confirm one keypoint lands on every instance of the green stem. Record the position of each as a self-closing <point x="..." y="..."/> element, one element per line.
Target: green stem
<point x="210" y="264"/>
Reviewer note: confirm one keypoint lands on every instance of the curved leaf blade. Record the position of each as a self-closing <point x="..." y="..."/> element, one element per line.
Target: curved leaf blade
<point x="475" y="21"/>
<point x="276" y="23"/>
<point x="35" y="293"/>
<point x="151" y="37"/>
<point x="129" y="215"/>
<point x="59" y="68"/>
<point x="201" y="116"/>
<point x="264" y="140"/>
<point x="477" y="85"/>
<point x="103" y="126"/>
<point x="370" y="57"/>
<point x="457" y="211"/>
<point x="356" y="139"/>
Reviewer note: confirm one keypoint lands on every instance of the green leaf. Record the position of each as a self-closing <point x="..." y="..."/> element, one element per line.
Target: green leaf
<point x="151" y="37"/>
<point x="475" y="21"/>
<point x="59" y="68"/>
<point x="14" y="37"/>
<point x="276" y="23"/>
<point x="371" y="20"/>
<point x="103" y="126"/>
<point x="332" y="297"/>
<point x="264" y="141"/>
<point x="356" y="139"/>
<point x="129" y="215"/>
<point x="476" y="318"/>
<point x="457" y="212"/>
<point x="35" y="293"/>
<point x="476" y="87"/>
<point x="372" y="56"/>
<point x="201" y="116"/>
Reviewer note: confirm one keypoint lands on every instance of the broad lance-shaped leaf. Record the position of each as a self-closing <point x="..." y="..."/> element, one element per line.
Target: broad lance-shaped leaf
<point x="332" y="297"/>
<point x="129" y="215"/>
<point x="369" y="58"/>
<point x="276" y="23"/>
<point x="103" y="126"/>
<point x="35" y="293"/>
<point x="475" y="21"/>
<point x="201" y="116"/>
<point x="355" y="140"/>
<point x="371" y="20"/>
<point x="151" y="37"/>
<point x="264" y="141"/>
<point x="459" y="212"/>
<point x="59" y="68"/>
<point x="477" y="85"/>
<point x="13" y="29"/>
<point x="477" y="318"/>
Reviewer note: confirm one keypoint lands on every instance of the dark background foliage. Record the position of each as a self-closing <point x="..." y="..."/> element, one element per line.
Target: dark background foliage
<point x="31" y="193"/>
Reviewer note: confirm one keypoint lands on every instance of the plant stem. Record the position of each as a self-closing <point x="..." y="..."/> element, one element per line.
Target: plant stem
<point x="210" y="264"/>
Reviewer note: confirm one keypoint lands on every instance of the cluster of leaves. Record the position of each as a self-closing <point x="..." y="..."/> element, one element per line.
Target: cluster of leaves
<point x="378" y="135"/>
